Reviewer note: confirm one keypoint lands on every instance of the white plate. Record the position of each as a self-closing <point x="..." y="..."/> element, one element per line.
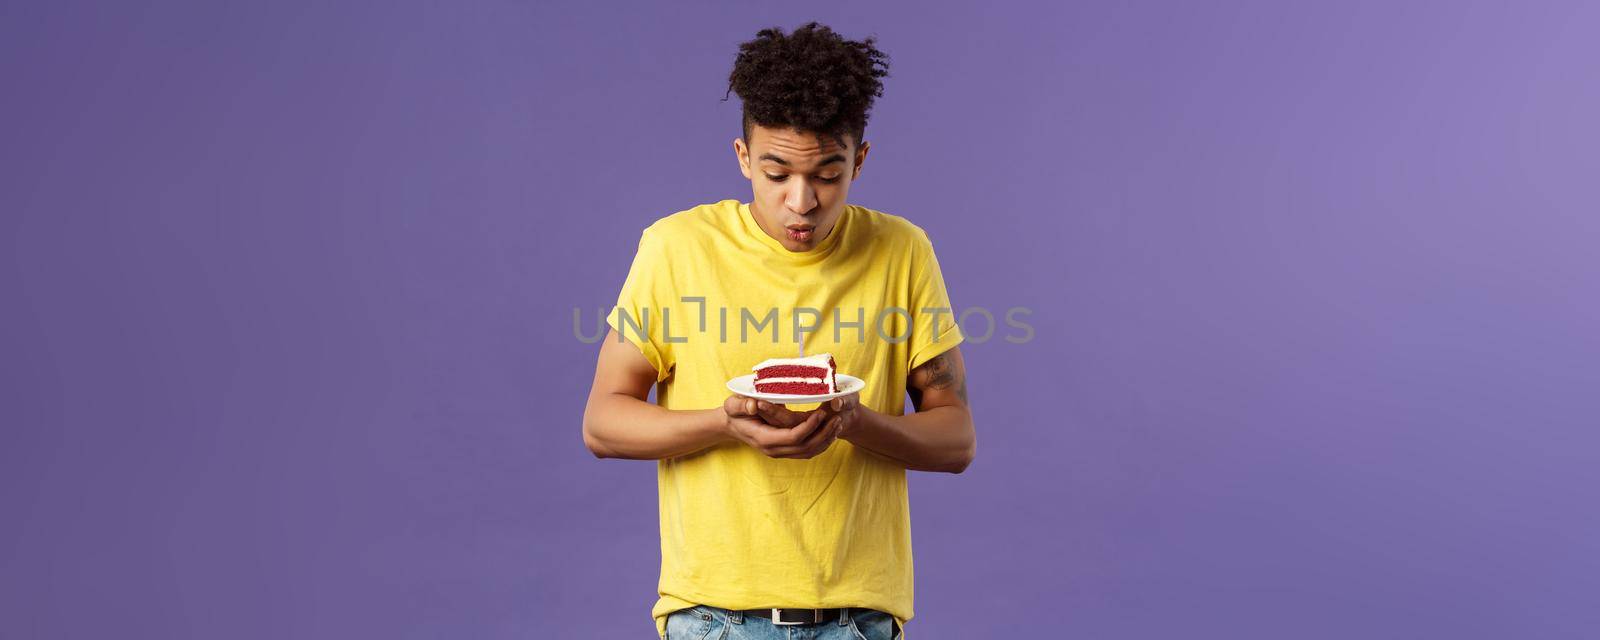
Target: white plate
<point x="745" y="385"/>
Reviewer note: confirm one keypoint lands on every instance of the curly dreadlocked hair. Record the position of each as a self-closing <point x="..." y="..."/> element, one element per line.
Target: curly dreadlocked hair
<point x="811" y="80"/>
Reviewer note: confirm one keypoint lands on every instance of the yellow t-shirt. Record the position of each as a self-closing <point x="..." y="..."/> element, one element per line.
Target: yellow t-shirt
<point x="739" y="529"/>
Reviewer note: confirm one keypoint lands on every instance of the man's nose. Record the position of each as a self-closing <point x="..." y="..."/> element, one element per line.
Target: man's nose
<point x="802" y="199"/>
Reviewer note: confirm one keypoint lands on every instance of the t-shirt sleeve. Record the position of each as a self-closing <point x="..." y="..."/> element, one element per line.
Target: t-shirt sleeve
<point x="647" y="291"/>
<point x="933" y="320"/>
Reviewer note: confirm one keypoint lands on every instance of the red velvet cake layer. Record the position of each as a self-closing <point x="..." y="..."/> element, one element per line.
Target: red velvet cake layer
<point x="793" y="388"/>
<point x="791" y="371"/>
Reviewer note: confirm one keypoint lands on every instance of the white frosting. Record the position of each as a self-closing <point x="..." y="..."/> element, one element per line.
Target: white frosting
<point x="819" y="360"/>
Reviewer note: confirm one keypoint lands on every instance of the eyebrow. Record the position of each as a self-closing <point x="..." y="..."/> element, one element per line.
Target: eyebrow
<point x="825" y="161"/>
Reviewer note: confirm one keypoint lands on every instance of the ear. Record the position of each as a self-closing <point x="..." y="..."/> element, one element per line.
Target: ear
<point x="861" y="158"/>
<point x="743" y="156"/>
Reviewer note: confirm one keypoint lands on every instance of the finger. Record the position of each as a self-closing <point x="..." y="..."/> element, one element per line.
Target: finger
<point x="768" y="436"/>
<point x="800" y="432"/>
<point x="751" y="431"/>
<point x="814" y="445"/>
<point x="779" y="415"/>
<point x="826" y="434"/>
<point x="820" y="435"/>
<point x="764" y="410"/>
<point x="760" y="434"/>
<point x="842" y="404"/>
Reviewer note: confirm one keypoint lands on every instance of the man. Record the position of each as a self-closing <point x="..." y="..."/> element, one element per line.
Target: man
<point x="774" y="518"/>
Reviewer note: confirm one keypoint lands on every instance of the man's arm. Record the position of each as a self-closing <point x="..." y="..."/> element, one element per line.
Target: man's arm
<point x="938" y="437"/>
<point x="620" y="422"/>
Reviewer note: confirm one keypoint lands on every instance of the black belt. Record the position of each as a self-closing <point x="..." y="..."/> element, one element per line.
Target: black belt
<point x="796" y="616"/>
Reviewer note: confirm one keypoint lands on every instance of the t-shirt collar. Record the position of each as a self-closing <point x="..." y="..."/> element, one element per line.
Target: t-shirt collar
<point x="748" y="221"/>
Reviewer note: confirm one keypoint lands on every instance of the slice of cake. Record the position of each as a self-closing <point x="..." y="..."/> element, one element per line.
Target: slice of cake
<point x="808" y="376"/>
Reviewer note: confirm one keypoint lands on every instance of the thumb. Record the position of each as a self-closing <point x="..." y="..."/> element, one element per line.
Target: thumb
<point x="737" y="406"/>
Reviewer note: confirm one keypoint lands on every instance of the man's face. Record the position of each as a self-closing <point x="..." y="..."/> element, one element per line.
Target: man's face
<point x="799" y="185"/>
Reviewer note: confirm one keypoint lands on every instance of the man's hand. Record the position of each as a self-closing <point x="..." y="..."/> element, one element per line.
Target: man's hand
<point x="842" y="414"/>
<point x="940" y="436"/>
<point x="776" y="431"/>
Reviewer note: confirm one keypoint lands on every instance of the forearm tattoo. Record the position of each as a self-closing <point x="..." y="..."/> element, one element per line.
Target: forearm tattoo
<point x="936" y="374"/>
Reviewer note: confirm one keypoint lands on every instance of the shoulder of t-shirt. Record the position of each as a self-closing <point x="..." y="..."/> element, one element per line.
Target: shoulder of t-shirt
<point x="690" y="227"/>
<point x="893" y="231"/>
<point x="692" y="223"/>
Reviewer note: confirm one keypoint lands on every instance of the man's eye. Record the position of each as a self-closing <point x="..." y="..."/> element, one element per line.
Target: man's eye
<point x="785" y="177"/>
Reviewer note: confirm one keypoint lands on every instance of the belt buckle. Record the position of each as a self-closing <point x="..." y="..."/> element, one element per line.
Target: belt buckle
<point x="777" y="616"/>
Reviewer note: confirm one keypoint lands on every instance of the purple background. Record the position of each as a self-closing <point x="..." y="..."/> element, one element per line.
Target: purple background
<point x="288" y="292"/>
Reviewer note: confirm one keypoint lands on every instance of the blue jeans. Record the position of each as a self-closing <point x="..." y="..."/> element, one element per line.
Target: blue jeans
<point x="711" y="623"/>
